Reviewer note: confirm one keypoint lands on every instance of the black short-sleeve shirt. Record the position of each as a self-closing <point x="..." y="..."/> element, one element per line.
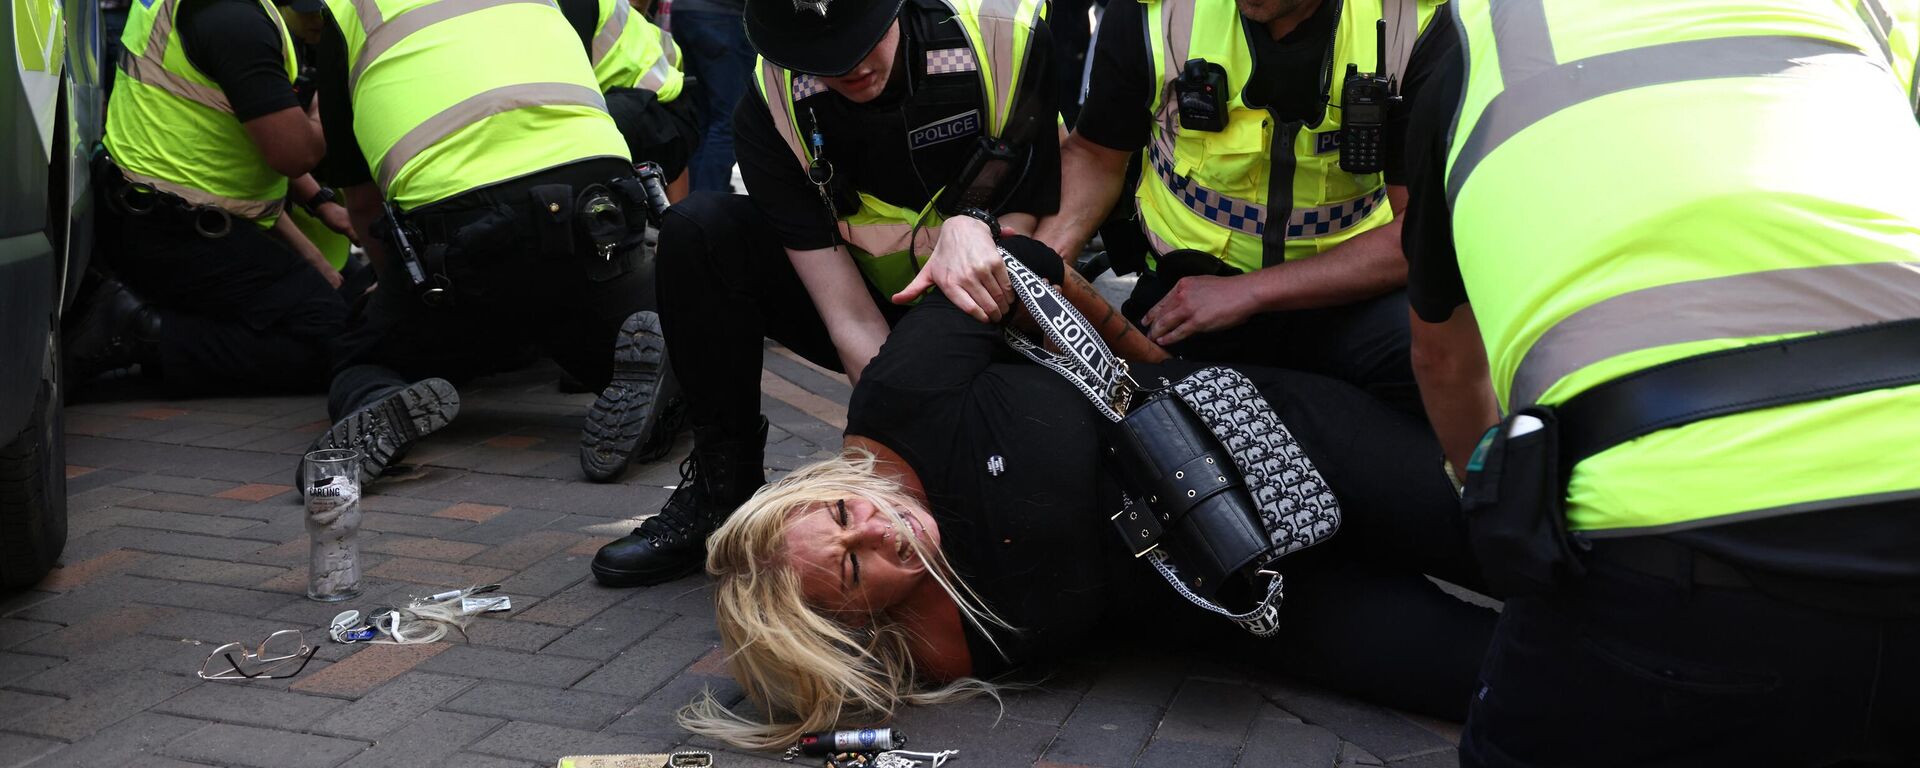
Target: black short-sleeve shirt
<point x="1434" y="287"/>
<point x="1290" y="78"/>
<point x="238" y="47"/>
<point x="868" y="147"/>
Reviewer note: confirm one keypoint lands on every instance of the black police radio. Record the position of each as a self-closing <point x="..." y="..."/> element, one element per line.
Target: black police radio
<point x="1365" y="97"/>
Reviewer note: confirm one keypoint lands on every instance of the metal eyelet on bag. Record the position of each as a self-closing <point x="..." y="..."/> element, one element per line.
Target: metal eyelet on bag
<point x="1221" y="479"/>
<point x="1190" y="494"/>
<point x="1153" y="499"/>
<point x="1209" y="459"/>
<point x="1177" y="474"/>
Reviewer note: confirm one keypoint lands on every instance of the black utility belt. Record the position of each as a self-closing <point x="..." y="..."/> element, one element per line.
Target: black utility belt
<point x="131" y="198"/>
<point x="442" y="245"/>
<point x="1516" y="484"/>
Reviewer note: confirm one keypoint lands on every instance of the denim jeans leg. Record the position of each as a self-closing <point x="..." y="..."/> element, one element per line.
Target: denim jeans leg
<point x="717" y="53"/>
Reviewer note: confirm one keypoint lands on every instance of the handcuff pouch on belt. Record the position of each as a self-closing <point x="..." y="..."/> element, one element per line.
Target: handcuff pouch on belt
<point x="1515" y="505"/>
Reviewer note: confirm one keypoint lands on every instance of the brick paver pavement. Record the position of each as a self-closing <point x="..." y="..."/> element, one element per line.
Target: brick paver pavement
<point x="184" y="534"/>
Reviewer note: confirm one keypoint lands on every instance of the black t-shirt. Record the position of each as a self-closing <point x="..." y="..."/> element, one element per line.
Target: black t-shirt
<point x="1291" y="77"/>
<point x="237" y="46"/>
<point x="1862" y="558"/>
<point x="868" y="146"/>
<point x="1006" y="455"/>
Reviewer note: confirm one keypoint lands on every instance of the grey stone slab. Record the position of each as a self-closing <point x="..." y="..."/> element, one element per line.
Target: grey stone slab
<point x="16" y="750"/>
<point x="546" y="744"/>
<point x="182" y="568"/>
<point x="496" y="664"/>
<point x="179" y="522"/>
<point x="1104" y="732"/>
<point x="1353" y="755"/>
<point x="690" y="628"/>
<point x="1138" y="679"/>
<point x="506" y="526"/>
<point x="105" y="699"/>
<point x="644" y="667"/>
<point x="1439" y="758"/>
<point x="1378" y="730"/>
<point x="1206" y="712"/>
<point x="523" y="636"/>
<point x="187" y="594"/>
<point x="185" y="502"/>
<point x="16" y="631"/>
<point x="388" y="707"/>
<point x="432" y="737"/>
<point x="1283" y="743"/>
<point x="1163" y="753"/>
<point x="264" y="707"/>
<point x="539" y="704"/>
<point x="981" y="739"/>
<point x="215" y="627"/>
<point x="14" y="666"/>
<point x="97" y="479"/>
<point x="471" y="760"/>
<point x="131" y="742"/>
<point x="95" y="498"/>
<point x="15" y="705"/>
<point x="263" y="748"/>
<point x="412" y="525"/>
<point x="192" y="486"/>
<point x="549" y="576"/>
<point x="654" y="716"/>
<point x="606" y="635"/>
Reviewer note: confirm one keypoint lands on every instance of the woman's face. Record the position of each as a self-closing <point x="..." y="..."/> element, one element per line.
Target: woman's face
<point x="854" y="560"/>
<point x="868" y="78"/>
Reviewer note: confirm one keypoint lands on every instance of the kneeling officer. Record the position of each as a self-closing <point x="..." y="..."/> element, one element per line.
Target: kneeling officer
<point x="511" y="215"/>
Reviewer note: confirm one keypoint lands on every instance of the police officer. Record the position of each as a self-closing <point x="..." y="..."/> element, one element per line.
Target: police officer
<point x="512" y="220"/>
<point x="886" y="144"/>
<point x="1264" y="247"/>
<point x="1623" y="240"/>
<point x="638" y="67"/>
<point x="203" y="133"/>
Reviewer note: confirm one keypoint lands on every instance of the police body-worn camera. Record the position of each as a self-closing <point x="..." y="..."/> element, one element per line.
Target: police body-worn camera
<point x="1202" y="93"/>
<point x="1365" y="97"/>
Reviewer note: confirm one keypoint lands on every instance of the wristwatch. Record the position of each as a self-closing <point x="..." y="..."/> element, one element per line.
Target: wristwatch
<point x="984" y="216"/>
<point x="320" y="198"/>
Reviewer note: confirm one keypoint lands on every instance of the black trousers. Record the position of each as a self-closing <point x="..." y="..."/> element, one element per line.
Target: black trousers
<point x="725" y="284"/>
<point x="516" y="292"/>
<point x="1366" y="343"/>
<point x="238" y="314"/>
<point x="1623" y="668"/>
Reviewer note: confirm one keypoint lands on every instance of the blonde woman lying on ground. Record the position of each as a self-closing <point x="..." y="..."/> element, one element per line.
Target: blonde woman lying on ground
<point x="962" y="534"/>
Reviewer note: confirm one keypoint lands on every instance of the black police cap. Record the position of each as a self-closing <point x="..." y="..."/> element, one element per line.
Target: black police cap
<point x="818" y="37"/>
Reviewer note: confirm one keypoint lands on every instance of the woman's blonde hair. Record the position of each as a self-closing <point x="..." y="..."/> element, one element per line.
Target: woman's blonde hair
<point x="801" y="670"/>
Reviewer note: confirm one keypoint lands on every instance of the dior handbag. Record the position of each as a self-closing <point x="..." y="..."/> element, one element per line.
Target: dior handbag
<point x="1216" y="488"/>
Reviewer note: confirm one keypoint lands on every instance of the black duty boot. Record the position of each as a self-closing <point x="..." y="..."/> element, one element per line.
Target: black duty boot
<point x="630" y="407"/>
<point x="385" y="429"/>
<point x="115" y="330"/>
<point x="722" y="472"/>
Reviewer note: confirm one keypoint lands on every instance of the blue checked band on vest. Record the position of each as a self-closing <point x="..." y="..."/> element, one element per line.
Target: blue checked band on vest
<point x="1250" y="217"/>
<point x="946" y="61"/>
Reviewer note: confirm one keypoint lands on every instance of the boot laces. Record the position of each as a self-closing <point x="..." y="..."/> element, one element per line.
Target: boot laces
<point x="680" y="518"/>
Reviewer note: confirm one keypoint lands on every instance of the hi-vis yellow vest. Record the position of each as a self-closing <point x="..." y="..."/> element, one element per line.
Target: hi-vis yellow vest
<point x="454" y="95"/>
<point x="1225" y="193"/>
<point x="1637" y="181"/>
<point x="888" y="242"/>
<point x="1895" y="27"/>
<point x="170" y="127"/>
<point x="630" y="52"/>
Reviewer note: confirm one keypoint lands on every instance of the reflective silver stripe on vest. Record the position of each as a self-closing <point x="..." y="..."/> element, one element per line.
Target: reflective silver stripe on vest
<point x="382" y="36"/>
<point x="997" y="24"/>
<point x="1249" y="217"/>
<point x="369" y="12"/>
<point x="1530" y="99"/>
<point x="248" y="209"/>
<point x="771" y="84"/>
<point x="610" y="33"/>
<point x="150" y="66"/>
<point x="1879" y="24"/>
<point x="1776" y="302"/>
<point x="478" y="107"/>
<point x="663" y="67"/>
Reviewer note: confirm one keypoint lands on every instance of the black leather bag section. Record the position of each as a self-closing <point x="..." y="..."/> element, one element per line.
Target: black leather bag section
<point x="1514" y="503"/>
<point x="1165" y="455"/>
